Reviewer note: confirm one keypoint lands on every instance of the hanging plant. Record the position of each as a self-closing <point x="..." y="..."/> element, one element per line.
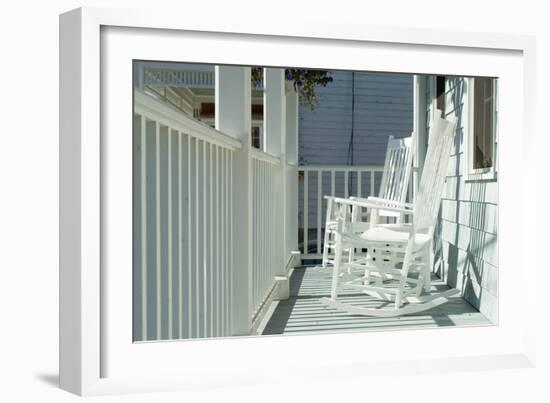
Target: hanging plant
<point x="303" y="81"/>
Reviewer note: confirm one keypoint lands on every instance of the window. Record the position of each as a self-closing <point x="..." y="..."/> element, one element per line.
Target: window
<point x="440" y="94"/>
<point x="483" y="123"/>
<point x="257" y="135"/>
<point x="482" y="133"/>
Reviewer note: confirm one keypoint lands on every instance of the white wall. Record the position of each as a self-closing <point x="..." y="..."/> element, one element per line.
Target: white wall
<point x="29" y="209"/>
<point x="466" y="236"/>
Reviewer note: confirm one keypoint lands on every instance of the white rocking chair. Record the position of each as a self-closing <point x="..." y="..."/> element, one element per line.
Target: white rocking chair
<point x="393" y="188"/>
<point x="399" y="255"/>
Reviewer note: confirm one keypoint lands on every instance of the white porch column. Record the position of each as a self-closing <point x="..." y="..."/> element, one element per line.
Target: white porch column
<point x="138" y="75"/>
<point x="233" y="117"/>
<point x="275" y="144"/>
<point x="274" y="112"/>
<point x="420" y="111"/>
<point x="419" y="126"/>
<point x="291" y="224"/>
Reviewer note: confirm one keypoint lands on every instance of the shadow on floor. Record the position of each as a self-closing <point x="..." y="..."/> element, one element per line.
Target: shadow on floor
<point x="49" y="379"/>
<point x="303" y="312"/>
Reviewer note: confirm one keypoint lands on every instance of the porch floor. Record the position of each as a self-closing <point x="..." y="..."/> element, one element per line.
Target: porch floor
<point x="303" y="312"/>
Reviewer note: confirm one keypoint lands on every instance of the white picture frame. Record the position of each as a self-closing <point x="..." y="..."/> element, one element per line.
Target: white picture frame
<point x="86" y="346"/>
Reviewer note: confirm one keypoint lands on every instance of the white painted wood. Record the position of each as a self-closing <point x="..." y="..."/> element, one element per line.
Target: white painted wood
<point x="291" y="172"/>
<point x="204" y="204"/>
<point x="224" y="230"/>
<point x="420" y="127"/>
<point x="211" y="284"/>
<point x="291" y="128"/>
<point x="170" y="239"/>
<point x="346" y="184"/>
<point x="157" y="234"/>
<point x="72" y="355"/>
<point x="264" y="157"/>
<point x="397" y="169"/>
<point x="341" y="168"/>
<point x="233" y="116"/>
<point x="180" y="251"/>
<point x="335" y="172"/>
<point x="171" y="117"/>
<point x="268" y="228"/>
<point x="180" y="236"/>
<point x="306" y="214"/>
<point x="231" y="243"/>
<point x="274" y="112"/>
<point x="175" y="77"/>
<point x="404" y="247"/>
<point x="190" y="235"/>
<point x="143" y="222"/>
<point x="304" y="313"/>
<point x="275" y="143"/>
<point x="217" y="253"/>
<point x="162" y="167"/>
<point x="384" y="312"/>
<point x="197" y="238"/>
<point x="394" y="187"/>
<point x="228" y="272"/>
<point x="319" y="207"/>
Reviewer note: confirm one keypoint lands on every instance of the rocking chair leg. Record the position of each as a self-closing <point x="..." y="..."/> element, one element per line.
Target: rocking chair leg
<point x="336" y="267"/>
<point x="428" y="269"/>
<point x="420" y="285"/>
<point x="366" y="277"/>
<point x="351" y="255"/>
<point x="326" y="246"/>
<point x="327" y="233"/>
<point x="404" y="274"/>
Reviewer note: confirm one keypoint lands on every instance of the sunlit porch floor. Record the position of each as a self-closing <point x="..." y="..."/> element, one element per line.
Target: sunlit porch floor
<point x="303" y="312"/>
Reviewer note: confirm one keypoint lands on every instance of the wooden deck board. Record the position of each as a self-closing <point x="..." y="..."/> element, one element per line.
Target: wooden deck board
<point x="303" y="312"/>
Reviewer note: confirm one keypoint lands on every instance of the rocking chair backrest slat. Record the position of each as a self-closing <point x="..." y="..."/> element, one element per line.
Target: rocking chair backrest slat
<point x="395" y="177"/>
<point x="434" y="172"/>
<point x="397" y="168"/>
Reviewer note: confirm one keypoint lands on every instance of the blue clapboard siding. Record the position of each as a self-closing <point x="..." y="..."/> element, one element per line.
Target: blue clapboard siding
<point x="466" y="237"/>
<point x="383" y="107"/>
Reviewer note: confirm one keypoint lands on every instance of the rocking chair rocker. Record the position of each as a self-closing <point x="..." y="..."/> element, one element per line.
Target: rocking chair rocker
<point x="398" y="261"/>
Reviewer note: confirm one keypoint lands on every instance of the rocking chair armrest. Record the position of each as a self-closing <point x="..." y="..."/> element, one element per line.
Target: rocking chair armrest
<point x="370" y="205"/>
<point x="372" y="199"/>
<point x="386" y="201"/>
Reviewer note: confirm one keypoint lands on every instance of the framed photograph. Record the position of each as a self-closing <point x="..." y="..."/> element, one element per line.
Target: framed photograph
<point x="241" y="204"/>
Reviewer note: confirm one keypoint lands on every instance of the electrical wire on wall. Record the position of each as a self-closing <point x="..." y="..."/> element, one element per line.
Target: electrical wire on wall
<point x="350" y="160"/>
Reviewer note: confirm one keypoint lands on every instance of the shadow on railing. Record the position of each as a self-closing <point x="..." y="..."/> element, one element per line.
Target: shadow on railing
<point x="182" y="224"/>
<point x="267" y="226"/>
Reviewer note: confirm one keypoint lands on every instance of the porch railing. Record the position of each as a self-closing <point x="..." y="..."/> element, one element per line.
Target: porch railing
<point x="178" y="78"/>
<point x="182" y="225"/>
<point x="182" y="78"/>
<point x="267" y="226"/>
<point x="316" y="181"/>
